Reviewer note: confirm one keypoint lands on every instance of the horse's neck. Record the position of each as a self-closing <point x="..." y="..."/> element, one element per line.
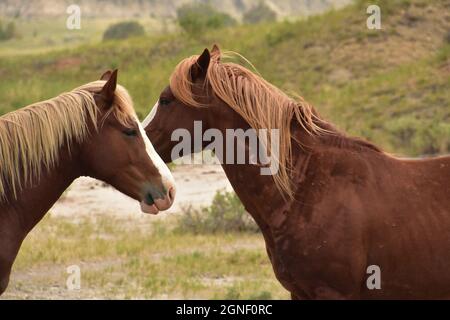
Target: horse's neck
<point x="258" y="192"/>
<point x="33" y="202"/>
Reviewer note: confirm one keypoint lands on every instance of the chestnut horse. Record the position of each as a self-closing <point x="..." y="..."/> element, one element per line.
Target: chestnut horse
<point x="339" y="210"/>
<point x="90" y="131"/>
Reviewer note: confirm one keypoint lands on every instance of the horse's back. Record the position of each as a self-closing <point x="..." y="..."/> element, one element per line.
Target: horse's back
<point x="410" y="234"/>
<point x="393" y="213"/>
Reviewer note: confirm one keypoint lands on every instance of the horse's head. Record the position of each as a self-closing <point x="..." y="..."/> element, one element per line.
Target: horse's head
<point x="225" y="95"/>
<point x="119" y="152"/>
<point x="187" y="99"/>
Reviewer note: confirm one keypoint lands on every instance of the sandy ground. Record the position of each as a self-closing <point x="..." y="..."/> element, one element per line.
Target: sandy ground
<point x="196" y="185"/>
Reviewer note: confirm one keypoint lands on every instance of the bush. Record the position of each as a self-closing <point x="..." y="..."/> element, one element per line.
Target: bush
<point x="197" y="18"/>
<point x="124" y="30"/>
<point x="226" y="214"/>
<point x="258" y="14"/>
<point x="281" y="32"/>
<point x="420" y="136"/>
<point x="447" y="37"/>
<point x="7" y="32"/>
<point x="263" y="295"/>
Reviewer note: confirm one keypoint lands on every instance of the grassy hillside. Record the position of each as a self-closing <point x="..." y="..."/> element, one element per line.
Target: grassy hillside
<point x="391" y="86"/>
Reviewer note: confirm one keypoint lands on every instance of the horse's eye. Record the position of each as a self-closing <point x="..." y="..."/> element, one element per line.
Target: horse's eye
<point x="130" y="132"/>
<point x="164" y="101"/>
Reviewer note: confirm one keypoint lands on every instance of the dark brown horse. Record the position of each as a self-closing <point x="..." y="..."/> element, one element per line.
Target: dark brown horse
<point x="339" y="210"/>
<point x="90" y="131"/>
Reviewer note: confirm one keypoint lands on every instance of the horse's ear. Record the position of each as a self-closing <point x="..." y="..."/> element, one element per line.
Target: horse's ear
<point x="109" y="89"/>
<point x="105" y="76"/>
<point x="215" y="51"/>
<point x="200" y="68"/>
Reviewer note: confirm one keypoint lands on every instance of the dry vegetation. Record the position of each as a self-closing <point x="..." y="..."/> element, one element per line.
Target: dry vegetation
<point x="141" y="259"/>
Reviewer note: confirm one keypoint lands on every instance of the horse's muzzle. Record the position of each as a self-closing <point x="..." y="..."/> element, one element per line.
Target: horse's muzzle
<point x="153" y="205"/>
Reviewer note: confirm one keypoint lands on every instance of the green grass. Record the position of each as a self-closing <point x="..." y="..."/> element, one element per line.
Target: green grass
<point x="144" y="260"/>
<point x="390" y="86"/>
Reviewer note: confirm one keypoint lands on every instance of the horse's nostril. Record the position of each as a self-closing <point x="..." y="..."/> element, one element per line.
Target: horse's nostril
<point x="149" y="199"/>
<point x="171" y="194"/>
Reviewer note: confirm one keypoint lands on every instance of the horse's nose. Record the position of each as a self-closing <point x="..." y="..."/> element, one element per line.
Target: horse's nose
<point x="156" y="201"/>
<point x="166" y="202"/>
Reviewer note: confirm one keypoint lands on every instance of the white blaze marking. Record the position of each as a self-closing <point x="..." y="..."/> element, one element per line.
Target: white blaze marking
<point x="150" y="116"/>
<point x="166" y="175"/>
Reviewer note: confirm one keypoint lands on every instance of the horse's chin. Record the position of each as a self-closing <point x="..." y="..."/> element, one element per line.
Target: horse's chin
<point x="147" y="208"/>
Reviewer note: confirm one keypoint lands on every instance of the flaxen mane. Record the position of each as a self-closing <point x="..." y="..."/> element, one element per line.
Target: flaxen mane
<point x="260" y="103"/>
<point x="31" y="138"/>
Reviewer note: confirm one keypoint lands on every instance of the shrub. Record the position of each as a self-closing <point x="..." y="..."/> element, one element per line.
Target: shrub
<point x="260" y="13"/>
<point x="447" y="37"/>
<point x="7" y="32"/>
<point x="197" y="18"/>
<point x="420" y="136"/>
<point x="281" y="32"/>
<point x="263" y="295"/>
<point x="124" y="30"/>
<point x="225" y="214"/>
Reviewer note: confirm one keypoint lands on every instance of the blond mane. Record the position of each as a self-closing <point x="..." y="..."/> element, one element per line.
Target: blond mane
<point x="261" y="104"/>
<point x="31" y="138"/>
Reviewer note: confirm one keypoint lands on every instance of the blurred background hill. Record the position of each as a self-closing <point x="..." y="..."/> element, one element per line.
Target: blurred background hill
<point x="159" y="9"/>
